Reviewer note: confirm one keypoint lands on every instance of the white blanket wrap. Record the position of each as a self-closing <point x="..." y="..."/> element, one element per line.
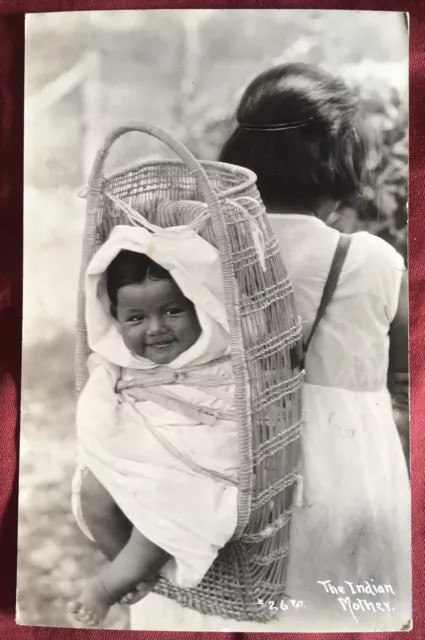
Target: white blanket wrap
<point x="173" y="473"/>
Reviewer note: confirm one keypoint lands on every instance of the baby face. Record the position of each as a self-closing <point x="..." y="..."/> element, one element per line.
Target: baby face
<point x="156" y="321"/>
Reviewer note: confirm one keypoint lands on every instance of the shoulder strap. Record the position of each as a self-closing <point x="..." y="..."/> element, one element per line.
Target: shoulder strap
<point x="331" y="283"/>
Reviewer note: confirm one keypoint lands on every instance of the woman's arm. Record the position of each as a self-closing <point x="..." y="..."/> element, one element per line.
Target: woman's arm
<point x="398" y="374"/>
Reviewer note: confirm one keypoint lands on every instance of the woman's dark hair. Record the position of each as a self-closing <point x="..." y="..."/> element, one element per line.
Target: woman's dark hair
<point x="322" y="155"/>
<point x="130" y="267"/>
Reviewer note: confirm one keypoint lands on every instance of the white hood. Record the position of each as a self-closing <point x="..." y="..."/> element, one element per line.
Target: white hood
<point x="195" y="266"/>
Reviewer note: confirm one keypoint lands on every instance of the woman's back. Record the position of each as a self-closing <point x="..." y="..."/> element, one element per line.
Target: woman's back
<point x="353" y="524"/>
<point x="350" y="349"/>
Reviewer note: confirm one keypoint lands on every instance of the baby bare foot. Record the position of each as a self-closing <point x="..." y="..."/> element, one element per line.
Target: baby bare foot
<point x="140" y="592"/>
<point x="91" y="608"/>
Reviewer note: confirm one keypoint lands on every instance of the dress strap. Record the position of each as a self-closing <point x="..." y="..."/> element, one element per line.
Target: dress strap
<point x="328" y="293"/>
<point x="331" y="283"/>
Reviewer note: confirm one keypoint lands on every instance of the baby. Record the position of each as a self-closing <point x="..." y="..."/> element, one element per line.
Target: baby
<point x="156" y="426"/>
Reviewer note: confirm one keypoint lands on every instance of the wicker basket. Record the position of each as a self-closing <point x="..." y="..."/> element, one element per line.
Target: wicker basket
<point x="251" y="569"/>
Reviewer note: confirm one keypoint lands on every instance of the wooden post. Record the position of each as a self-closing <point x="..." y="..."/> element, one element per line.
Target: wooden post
<point x="91" y="89"/>
<point x="191" y="23"/>
<point x="55" y="91"/>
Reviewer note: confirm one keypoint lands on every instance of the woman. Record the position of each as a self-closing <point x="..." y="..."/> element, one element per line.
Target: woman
<point x="302" y="132"/>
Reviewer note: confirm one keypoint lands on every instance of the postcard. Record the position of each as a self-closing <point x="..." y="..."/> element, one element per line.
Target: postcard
<point x="215" y="388"/>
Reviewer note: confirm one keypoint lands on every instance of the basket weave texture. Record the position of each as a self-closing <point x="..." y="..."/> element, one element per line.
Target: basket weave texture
<point x="250" y="570"/>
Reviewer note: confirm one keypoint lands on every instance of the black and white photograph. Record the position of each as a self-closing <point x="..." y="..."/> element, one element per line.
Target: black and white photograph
<point x="215" y="369"/>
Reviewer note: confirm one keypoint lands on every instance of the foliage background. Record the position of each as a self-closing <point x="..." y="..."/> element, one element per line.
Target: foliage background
<point x="184" y="71"/>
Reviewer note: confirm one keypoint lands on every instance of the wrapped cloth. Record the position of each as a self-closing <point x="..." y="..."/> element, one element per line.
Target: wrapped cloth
<point x="163" y="440"/>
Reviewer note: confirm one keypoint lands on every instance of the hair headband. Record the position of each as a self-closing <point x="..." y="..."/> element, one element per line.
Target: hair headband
<point x="275" y="127"/>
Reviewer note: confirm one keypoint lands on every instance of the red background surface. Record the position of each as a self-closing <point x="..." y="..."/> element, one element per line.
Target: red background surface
<point x="11" y="146"/>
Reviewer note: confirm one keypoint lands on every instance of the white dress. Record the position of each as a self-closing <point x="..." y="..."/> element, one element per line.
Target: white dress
<point x="353" y="527"/>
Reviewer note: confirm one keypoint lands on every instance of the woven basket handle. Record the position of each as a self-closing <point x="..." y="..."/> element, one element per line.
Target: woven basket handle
<point x="194" y="166"/>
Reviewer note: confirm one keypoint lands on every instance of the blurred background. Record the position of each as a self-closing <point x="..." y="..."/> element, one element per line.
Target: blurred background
<point x="184" y="71"/>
